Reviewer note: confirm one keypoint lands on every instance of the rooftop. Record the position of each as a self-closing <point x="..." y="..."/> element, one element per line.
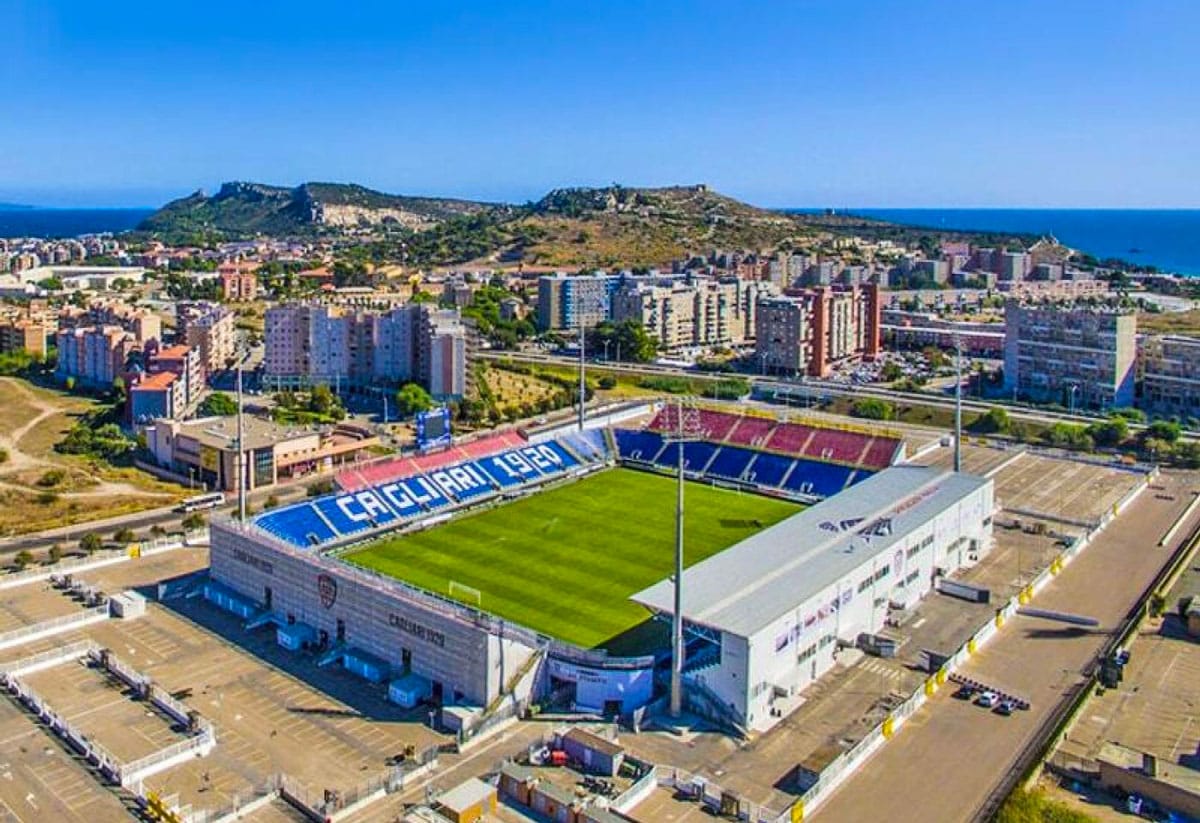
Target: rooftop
<point x="221" y="432"/>
<point x="155" y="382"/>
<point x="465" y="795"/>
<point x="749" y="585"/>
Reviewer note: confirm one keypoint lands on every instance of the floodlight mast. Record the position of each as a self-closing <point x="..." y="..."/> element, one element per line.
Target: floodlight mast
<point x="681" y="436"/>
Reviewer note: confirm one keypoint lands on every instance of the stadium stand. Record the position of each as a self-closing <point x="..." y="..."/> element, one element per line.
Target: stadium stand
<point x="840" y="446"/>
<point x="696" y="456"/>
<point x="820" y="479"/>
<point x="299" y="525"/>
<point x="881" y="453"/>
<point x="751" y="431"/>
<point x="770" y="469"/>
<point x="790" y="438"/>
<point x="589" y="444"/>
<point x="638" y="445"/>
<point x="372" y="474"/>
<point x="730" y="462"/>
<point x="390" y="500"/>
<point x="711" y="425"/>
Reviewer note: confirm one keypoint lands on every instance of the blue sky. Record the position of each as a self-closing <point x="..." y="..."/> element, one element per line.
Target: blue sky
<point x="911" y="103"/>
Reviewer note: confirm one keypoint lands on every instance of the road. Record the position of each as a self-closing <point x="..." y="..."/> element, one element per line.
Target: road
<point x="167" y="517"/>
<point x="947" y="759"/>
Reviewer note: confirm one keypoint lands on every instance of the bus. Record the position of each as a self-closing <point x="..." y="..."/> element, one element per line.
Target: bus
<point x="201" y="502"/>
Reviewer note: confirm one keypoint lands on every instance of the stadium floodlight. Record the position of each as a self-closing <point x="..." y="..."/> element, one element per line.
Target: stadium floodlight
<point x="957" y="403"/>
<point x="687" y="429"/>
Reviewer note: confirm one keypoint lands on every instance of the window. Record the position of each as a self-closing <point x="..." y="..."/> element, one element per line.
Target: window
<point x="807" y="654"/>
<point x="866" y="584"/>
<point x="928" y="541"/>
<point x="883" y="572"/>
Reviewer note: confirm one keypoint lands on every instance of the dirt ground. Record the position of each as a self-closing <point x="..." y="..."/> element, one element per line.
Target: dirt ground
<point x="40" y="488"/>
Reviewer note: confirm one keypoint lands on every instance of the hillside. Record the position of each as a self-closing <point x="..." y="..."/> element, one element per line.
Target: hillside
<point x="605" y="227"/>
<point x="248" y="209"/>
<point x="617" y="225"/>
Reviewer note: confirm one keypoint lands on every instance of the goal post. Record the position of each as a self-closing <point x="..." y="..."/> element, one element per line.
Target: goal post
<point x="465" y="593"/>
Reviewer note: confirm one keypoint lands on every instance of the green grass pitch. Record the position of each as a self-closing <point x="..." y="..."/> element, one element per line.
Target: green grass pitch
<point x="565" y="561"/>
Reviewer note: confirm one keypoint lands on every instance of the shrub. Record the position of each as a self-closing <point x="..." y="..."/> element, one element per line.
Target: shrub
<point x="124" y="535"/>
<point x="55" y="553"/>
<point x="90" y="542"/>
<point x="23" y="558"/>
<point x="872" y="408"/>
<point x="52" y="478"/>
<point x="195" y="520"/>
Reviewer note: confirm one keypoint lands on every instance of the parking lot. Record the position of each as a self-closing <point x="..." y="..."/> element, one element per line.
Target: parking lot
<point x="268" y="718"/>
<point x="1063" y="488"/>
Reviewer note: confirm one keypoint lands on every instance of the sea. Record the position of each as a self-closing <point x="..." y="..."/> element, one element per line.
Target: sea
<point x="58" y="223"/>
<point x="1168" y="239"/>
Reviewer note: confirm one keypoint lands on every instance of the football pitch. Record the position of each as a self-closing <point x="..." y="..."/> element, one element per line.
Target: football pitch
<point x="565" y="561"/>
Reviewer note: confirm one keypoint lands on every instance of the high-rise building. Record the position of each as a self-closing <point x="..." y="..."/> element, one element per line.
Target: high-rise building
<point x="809" y="331"/>
<point x="93" y="356"/>
<point x="309" y="344"/>
<point x="567" y="302"/>
<point x="1079" y="356"/>
<point x="1169" y="372"/>
<point x="209" y="328"/>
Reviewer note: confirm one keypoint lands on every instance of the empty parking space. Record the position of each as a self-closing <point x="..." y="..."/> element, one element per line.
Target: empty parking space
<point x="1062" y="488"/>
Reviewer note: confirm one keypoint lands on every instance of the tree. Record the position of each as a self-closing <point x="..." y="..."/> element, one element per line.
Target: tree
<point x="193" y="521"/>
<point x="627" y="340"/>
<point x="412" y="399"/>
<point x="90" y="542"/>
<point x="1109" y="432"/>
<point x="873" y="409"/>
<point x="994" y="421"/>
<point x="55" y="553"/>
<point x="23" y="558"/>
<point x="891" y="372"/>
<point x="124" y="535"/>
<point x="1162" y="430"/>
<point x="218" y="403"/>
<point x="322" y="400"/>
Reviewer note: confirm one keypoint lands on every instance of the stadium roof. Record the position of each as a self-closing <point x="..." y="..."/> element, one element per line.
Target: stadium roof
<point x="749" y="585"/>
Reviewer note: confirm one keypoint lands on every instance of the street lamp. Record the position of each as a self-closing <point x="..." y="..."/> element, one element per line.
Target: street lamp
<point x="1074" y="388"/>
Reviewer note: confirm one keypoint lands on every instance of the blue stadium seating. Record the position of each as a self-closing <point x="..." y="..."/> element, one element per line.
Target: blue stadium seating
<point x="355" y="512"/>
<point x="638" y="445"/>
<point x="730" y="462"/>
<point x="669" y="456"/>
<point x="697" y="455"/>
<point x="567" y="461"/>
<point x="295" y="523"/>
<point x="822" y="479"/>
<point x="770" y="469"/>
<point x="494" y="467"/>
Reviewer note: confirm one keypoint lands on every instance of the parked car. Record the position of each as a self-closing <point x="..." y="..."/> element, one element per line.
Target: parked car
<point x="988" y="700"/>
<point x="964" y="693"/>
<point x="1005" y="707"/>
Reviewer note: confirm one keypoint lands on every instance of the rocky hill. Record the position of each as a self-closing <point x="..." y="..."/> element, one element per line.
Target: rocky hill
<point x="248" y="209"/>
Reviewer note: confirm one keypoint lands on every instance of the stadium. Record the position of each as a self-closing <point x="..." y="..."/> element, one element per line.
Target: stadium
<point x="507" y="569"/>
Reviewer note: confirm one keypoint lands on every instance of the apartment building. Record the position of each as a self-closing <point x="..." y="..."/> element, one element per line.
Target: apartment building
<point x="694" y="311"/>
<point x="182" y="361"/>
<point x="238" y="282"/>
<point x="156" y="396"/>
<point x="25" y="332"/>
<point x="93" y="356"/>
<point x="569" y="302"/>
<point x="1169" y="375"/>
<point x="809" y="331"/>
<point x="1079" y="356"/>
<point x="142" y="324"/>
<point x="210" y="329"/>
<point x="309" y="344"/>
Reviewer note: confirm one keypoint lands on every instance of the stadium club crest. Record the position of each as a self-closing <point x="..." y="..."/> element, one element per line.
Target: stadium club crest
<point x="327" y="588"/>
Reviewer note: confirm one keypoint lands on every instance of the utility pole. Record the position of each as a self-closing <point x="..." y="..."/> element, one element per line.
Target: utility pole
<point x="681" y="437"/>
<point x="582" y="378"/>
<point x="241" y="470"/>
<point x="957" y="403"/>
